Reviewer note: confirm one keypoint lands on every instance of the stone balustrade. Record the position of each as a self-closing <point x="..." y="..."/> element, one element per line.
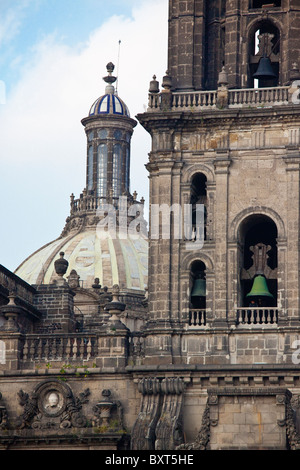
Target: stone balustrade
<point x="74" y="348"/>
<point x="236" y="98"/>
<point x="197" y="317"/>
<point x="257" y="316"/>
<point x="90" y="202"/>
<point x="258" y="97"/>
<point x="206" y="99"/>
<point x="244" y="316"/>
<point x="58" y="347"/>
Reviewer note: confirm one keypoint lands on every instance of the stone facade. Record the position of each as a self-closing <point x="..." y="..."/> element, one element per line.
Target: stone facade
<point x="110" y="367"/>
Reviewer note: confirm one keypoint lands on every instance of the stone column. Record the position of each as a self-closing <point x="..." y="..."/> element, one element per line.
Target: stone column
<point x="222" y="163"/>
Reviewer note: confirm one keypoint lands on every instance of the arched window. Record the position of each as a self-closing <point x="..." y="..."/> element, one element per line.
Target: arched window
<point x="117" y="171"/>
<point x="198" y="283"/>
<point x="264" y="55"/>
<point x="90" y="168"/>
<point x="197" y="315"/>
<point x="198" y="196"/>
<point x="102" y="171"/>
<point x="258" y="237"/>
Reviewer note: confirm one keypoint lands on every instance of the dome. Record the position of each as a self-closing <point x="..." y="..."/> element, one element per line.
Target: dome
<point x="112" y="260"/>
<point x="109" y="104"/>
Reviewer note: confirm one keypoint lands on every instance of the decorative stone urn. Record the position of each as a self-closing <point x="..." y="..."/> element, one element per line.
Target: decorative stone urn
<point x="105" y="407"/>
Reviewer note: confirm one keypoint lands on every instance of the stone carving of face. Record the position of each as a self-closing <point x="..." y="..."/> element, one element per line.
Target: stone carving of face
<point x="53" y="400"/>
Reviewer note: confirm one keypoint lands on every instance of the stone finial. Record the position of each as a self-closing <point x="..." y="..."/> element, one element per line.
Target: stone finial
<point x="166" y="94"/>
<point x="61" y="265"/>
<point x="110" y="78"/>
<point x="11" y="312"/>
<point x="115" y="308"/>
<point x="167" y="82"/>
<point x="154" y="85"/>
<point x="223" y="77"/>
<point x="104" y="296"/>
<point x="115" y="293"/>
<point x="73" y="279"/>
<point x="96" y="284"/>
<point x="222" y="92"/>
<point x="110" y="67"/>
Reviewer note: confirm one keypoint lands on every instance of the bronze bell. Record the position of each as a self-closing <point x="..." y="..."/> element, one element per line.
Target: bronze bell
<point x="264" y="70"/>
<point x="260" y="288"/>
<point x="199" y="288"/>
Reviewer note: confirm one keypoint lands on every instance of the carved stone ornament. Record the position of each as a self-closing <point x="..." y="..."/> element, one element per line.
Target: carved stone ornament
<point x="52" y="405"/>
<point x="108" y="413"/>
<point x="159" y="423"/>
<point x="73" y="279"/>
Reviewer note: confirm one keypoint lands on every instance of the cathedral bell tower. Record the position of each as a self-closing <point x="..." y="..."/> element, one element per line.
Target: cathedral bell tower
<point x="225" y="137"/>
<point x="204" y="35"/>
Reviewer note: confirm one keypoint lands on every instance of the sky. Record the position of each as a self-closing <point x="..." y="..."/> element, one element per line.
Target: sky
<point x="53" y="55"/>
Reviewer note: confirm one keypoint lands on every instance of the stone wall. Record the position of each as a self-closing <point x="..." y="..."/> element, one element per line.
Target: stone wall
<point x="248" y="419"/>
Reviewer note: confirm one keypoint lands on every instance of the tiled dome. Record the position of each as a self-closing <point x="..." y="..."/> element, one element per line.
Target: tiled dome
<point x="109" y="104"/>
<point x="112" y="260"/>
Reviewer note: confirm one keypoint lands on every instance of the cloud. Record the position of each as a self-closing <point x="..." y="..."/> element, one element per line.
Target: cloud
<point x="11" y="19"/>
<point x="43" y="144"/>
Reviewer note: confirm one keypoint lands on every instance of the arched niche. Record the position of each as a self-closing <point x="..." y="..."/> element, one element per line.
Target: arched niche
<point x="258" y="256"/>
<point x="198" y="285"/>
<point x="264" y="41"/>
<point x="198" y="196"/>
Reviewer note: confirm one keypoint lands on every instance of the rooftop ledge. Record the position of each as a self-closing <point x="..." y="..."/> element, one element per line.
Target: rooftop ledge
<point x="224" y="98"/>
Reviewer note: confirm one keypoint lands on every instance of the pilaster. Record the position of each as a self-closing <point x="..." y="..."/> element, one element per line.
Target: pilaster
<point x="222" y="164"/>
<point x="292" y="160"/>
